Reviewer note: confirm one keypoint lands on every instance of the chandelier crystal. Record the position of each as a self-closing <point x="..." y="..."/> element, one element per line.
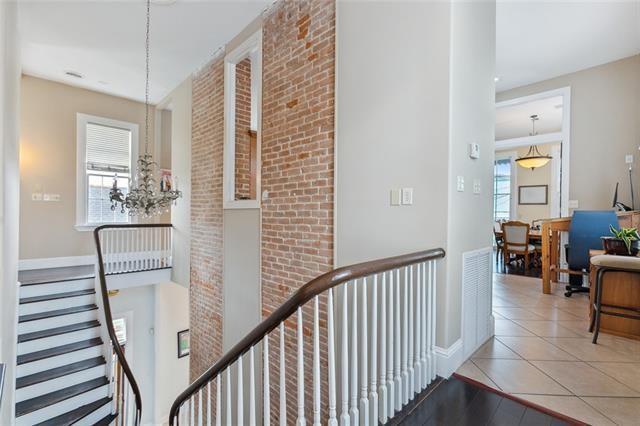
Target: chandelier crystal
<point x="143" y="198"/>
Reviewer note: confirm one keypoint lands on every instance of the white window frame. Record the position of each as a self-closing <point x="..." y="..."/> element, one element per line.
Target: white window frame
<point x="81" y="165"/>
<point x="251" y="47"/>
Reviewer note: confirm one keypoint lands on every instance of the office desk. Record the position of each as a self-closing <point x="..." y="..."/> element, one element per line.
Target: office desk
<point x="551" y="236"/>
<point x="622" y="289"/>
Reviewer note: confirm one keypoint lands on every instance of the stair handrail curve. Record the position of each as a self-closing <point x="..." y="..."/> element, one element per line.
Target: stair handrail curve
<point x="300" y="297"/>
<point x="104" y="292"/>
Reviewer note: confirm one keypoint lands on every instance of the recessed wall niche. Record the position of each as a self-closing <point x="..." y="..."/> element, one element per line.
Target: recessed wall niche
<point x="242" y="124"/>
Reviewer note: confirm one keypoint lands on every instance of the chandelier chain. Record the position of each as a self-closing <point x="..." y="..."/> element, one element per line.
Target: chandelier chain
<point x="146" y="88"/>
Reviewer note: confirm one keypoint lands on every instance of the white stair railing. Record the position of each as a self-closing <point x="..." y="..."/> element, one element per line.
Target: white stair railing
<point x="136" y="248"/>
<point x="377" y="320"/>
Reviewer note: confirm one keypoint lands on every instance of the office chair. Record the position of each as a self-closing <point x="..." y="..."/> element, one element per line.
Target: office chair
<point x="585" y="232"/>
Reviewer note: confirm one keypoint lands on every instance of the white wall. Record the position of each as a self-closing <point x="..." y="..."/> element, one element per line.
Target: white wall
<point x="137" y="305"/>
<point x="472" y="119"/>
<point x="179" y="102"/>
<point x="414" y="87"/>
<point x="392" y="127"/>
<point x="171" y="372"/>
<point x="9" y="198"/>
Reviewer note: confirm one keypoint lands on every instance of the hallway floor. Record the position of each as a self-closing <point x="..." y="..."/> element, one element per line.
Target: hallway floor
<point x="542" y="352"/>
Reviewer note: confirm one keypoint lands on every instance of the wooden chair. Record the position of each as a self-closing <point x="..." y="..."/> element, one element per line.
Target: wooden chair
<point x="497" y="235"/>
<point x="516" y="241"/>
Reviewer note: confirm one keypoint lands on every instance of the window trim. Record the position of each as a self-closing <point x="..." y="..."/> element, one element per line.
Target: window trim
<point x="81" y="167"/>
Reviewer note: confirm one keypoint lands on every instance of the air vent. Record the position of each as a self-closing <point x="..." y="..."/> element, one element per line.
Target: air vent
<point x="477" y="321"/>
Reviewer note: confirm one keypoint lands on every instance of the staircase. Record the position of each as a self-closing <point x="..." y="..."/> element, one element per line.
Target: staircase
<point x="62" y="373"/>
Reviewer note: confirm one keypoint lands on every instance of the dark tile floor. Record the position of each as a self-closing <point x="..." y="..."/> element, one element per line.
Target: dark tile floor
<point x="459" y="403"/>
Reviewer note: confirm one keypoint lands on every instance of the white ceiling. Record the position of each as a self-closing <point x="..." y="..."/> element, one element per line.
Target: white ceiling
<point x="538" y="40"/>
<point x="515" y="121"/>
<point x="104" y="40"/>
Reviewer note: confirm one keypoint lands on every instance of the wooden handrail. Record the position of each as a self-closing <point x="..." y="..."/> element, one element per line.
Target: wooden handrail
<point x="107" y="310"/>
<point x="304" y="294"/>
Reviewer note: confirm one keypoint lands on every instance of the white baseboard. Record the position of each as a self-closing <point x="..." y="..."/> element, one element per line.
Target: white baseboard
<point x="55" y="262"/>
<point x="448" y="359"/>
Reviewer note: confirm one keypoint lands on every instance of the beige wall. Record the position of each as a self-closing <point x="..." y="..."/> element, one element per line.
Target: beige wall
<point x="48" y="162"/>
<point x="605" y="125"/>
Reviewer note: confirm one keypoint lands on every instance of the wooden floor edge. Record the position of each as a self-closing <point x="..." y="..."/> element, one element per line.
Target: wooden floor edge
<point x="524" y="402"/>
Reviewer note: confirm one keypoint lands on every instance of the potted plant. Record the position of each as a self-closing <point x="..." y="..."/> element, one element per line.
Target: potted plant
<point x="624" y="242"/>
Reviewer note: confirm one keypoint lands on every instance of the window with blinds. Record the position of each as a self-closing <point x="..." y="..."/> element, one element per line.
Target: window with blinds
<point x="106" y="148"/>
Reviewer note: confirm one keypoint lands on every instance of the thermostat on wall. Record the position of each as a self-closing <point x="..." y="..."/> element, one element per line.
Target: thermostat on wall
<point x="474" y="150"/>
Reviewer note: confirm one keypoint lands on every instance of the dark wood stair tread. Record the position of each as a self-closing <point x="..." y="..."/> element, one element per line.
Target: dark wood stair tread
<point x="58" y="350"/>
<point x="54" y="373"/>
<point x="27" y="337"/>
<point x="57" y="296"/>
<point x="106" y="421"/>
<point x="77" y="414"/>
<point x="56" y="313"/>
<point x="56" y="275"/>
<point x="42" y="401"/>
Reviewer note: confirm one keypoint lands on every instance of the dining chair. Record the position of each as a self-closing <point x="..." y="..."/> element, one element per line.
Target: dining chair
<point x="497" y="235"/>
<point x="516" y="242"/>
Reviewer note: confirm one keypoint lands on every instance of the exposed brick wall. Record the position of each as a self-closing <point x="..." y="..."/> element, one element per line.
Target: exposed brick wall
<point x="297" y="167"/>
<point x="243" y="125"/>
<point x="206" y="217"/>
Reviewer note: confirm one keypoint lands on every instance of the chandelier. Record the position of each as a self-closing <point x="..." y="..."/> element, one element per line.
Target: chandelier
<point x="143" y="198"/>
<point x="533" y="158"/>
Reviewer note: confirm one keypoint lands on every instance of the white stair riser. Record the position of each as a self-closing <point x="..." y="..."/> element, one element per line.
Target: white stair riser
<point x="53" y="288"/>
<point x="96" y="416"/>
<point x="52" y="305"/>
<point x="58" y="361"/>
<point x="62" y="407"/>
<point x="60" y="382"/>
<point x="59" y="321"/>
<point x="59" y="340"/>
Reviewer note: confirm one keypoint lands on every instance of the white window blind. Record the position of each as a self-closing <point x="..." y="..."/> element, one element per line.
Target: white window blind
<point x="108" y="148"/>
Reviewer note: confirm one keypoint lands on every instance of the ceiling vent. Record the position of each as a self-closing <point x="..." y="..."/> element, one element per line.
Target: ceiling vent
<point x="74" y="74"/>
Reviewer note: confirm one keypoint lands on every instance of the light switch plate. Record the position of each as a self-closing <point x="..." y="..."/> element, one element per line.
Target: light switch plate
<point x="36" y="196"/>
<point x="460" y="184"/>
<point x="395" y="197"/>
<point x="573" y="204"/>
<point x="407" y="196"/>
<point x="628" y="159"/>
<point x="476" y="186"/>
<point x="474" y="150"/>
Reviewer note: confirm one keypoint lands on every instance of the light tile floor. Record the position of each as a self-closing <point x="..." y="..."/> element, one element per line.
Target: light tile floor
<point x="542" y="352"/>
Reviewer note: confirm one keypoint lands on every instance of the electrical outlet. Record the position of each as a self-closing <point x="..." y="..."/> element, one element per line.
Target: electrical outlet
<point x="460" y="184"/>
<point x="476" y="186"/>
<point x="36" y="196"/>
<point x="407" y="196"/>
<point x="573" y="204"/>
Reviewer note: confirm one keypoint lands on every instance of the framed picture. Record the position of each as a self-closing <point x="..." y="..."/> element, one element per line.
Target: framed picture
<point x="183" y="343"/>
<point x="166" y="183"/>
<point x="533" y="194"/>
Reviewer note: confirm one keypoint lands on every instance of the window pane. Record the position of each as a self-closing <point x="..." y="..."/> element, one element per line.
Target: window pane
<point x="98" y="205"/>
<point x="502" y="189"/>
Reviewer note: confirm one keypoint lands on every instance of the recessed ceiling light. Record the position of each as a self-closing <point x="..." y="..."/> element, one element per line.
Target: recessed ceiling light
<point x="496" y="79"/>
<point x="74" y="74"/>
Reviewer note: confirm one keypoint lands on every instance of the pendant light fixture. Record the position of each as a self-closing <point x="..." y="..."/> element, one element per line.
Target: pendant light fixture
<point x="143" y="198"/>
<point x="533" y="158"/>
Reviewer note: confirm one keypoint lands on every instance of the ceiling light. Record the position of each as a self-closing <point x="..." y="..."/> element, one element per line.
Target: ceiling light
<point x="533" y="158"/>
<point x="74" y="74"/>
<point x="496" y="79"/>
